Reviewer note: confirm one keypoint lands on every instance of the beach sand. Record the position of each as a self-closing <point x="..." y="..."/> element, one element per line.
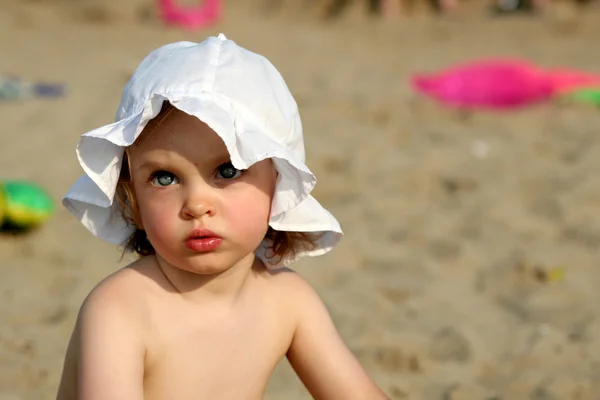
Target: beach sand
<point x="469" y="269"/>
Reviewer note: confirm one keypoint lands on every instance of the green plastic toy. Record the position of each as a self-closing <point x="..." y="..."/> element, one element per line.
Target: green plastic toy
<point x="23" y="205"/>
<point x="1" y="207"/>
<point x="590" y="95"/>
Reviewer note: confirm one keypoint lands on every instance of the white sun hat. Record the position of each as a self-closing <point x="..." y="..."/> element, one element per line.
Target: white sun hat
<point x="244" y="99"/>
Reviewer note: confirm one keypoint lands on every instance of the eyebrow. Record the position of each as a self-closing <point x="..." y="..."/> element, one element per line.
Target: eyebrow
<point x="158" y="165"/>
<point x="151" y="164"/>
<point x="216" y="160"/>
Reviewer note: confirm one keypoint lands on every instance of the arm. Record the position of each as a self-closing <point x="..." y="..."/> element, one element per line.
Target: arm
<point x="110" y="351"/>
<point x="325" y="365"/>
<point x="67" y="389"/>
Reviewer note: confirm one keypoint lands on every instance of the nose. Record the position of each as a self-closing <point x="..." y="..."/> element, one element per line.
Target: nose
<point x="199" y="201"/>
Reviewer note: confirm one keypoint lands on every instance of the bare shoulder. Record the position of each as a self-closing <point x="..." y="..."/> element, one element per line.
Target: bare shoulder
<point x="124" y="291"/>
<point x="287" y="281"/>
<point x="121" y="299"/>
<point x="317" y="353"/>
<point x="292" y="290"/>
<point x="114" y="309"/>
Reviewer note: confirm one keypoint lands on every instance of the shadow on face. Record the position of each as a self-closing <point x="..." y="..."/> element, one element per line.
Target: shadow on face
<point x="181" y="143"/>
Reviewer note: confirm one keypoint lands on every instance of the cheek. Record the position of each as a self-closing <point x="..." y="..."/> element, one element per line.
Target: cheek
<point x="250" y="213"/>
<point x="158" y="218"/>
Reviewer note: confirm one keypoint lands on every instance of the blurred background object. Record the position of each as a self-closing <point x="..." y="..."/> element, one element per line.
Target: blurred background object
<point x="469" y="267"/>
<point x="23" y="206"/>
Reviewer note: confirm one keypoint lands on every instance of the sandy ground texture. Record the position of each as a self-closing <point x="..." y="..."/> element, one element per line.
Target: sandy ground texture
<point x="469" y="269"/>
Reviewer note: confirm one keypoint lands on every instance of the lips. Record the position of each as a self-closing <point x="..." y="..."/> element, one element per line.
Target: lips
<point x="203" y="240"/>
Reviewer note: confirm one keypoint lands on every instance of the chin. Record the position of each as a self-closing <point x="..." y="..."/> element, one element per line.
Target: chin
<point x="211" y="263"/>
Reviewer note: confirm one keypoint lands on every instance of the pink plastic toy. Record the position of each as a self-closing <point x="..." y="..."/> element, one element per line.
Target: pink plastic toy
<point x="190" y="18"/>
<point x="500" y="84"/>
<point x="487" y="84"/>
<point x="567" y="80"/>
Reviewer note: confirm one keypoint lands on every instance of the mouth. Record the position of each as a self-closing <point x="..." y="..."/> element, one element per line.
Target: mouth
<point x="203" y="240"/>
<point x="202" y="234"/>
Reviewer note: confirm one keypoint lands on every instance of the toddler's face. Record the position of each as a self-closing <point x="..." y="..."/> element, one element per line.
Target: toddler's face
<point x="186" y="189"/>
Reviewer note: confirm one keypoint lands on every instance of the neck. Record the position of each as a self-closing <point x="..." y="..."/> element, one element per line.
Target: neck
<point x="225" y="286"/>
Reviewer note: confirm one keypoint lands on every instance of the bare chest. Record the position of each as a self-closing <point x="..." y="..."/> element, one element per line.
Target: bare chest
<point x="227" y="354"/>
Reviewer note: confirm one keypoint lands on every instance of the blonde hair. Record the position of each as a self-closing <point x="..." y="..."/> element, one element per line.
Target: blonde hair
<point x="282" y="244"/>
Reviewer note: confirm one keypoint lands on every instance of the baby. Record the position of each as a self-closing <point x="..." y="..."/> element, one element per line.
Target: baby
<point x="203" y="176"/>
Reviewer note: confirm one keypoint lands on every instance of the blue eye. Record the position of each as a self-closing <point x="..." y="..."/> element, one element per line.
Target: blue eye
<point x="163" y="178"/>
<point x="228" y="171"/>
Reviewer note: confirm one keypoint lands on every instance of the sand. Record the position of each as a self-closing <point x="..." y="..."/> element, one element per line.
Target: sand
<point x="469" y="267"/>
